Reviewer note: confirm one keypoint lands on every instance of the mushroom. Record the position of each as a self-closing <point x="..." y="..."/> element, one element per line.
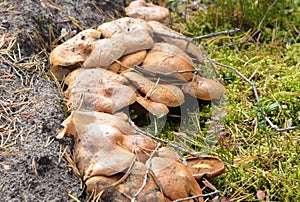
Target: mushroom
<point x="140" y="145"/>
<point x="170" y="36"/>
<point x="147" y="11"/>
<point x="128" y="61"/>
<point x="154" y="108"/>
<point x="208" y="167"/>
<point x="98" y="89"/>
<point x="175" y="179"/>
<point x="106" y="51"/>
<point x="166" y="152"/>
<point x="170" y="58"/>
<point x="128" y="188"/>
<point x="72" y="53"/>
<point x="126" y="24"/>
<point x="169" y="95"/>
<point x="97" y="143"/>
<point x="203" y="88"/>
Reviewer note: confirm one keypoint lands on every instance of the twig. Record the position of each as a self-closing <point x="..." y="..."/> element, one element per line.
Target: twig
<point x="138" y="130"/>
<point x="124" y="177"/>
<point x="263" y="18"/>
<point x="276" y="126"/>
<point x="188" y="39"/>
<point x="217" y="34"/>
<point x="238" y="73"/>
<point x="256" y="96"/>
<point x="147" y="172"/>
<point x="197" y="196"/>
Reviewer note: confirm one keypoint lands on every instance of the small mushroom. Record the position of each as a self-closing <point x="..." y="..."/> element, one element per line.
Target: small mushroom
<point x="126" y="24"/>
<point x="203" y="88"/>
<point x="106" y="51"/>
<point x="98" y="89"/>
<point x="154" y="108"/>
<point x="72" y="53"/>
<point x="128" y="61"/>
<point x="175" y="179"/>
<point x="208" y="167"/>
<point x="170" y="36"/>
<point x="147" y="11"/>
<point x="169" y="95"/>
<point x="171" y="57"/>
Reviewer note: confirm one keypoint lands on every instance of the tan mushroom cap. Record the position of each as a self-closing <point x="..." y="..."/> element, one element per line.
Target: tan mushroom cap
<point x="106" y="51"/>
<point x="170" y="56"/>
<point x="121" y="25"/>
<point x="97" y="150"/>
<point x="147" y="11"/>
<point x="128" y="61"/>
<point x="169" y="95"/>
<point x="203" y="88"/>
<point x="98" y="89"/>
<point x="140" y="145"/>
<point x="72" y="53"/>
<point x="208" y="167"/>
<point x="166" y="152"/>
<point x="153" y="107"/>
<point x="173" y="37"/>
<point x="176" y="180"/>
<point x="126" y="189"/>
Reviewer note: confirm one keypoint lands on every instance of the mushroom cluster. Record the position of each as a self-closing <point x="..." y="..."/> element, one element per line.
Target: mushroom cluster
<point x="107" y="69"/>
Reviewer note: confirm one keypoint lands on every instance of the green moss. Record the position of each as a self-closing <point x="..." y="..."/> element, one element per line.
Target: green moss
<point x="257" y="156"/>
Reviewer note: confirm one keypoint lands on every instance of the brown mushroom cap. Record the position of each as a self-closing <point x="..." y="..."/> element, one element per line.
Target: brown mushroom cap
<point x="172" y="37"/>
<point x="166" y="152"/>
<point x="169" y="95"/>
<point x="126" y="24"/>
<point x="208" y="167"/>
<point x="147" y="11"/>
<point x="106" y="51"/>
<point x="170" y="56"/>
<point x="129" y="187"/>
<point x="203" y="88"/>
<point x="98" y="89"/>
<point x="96" y="149"/>
<point x="175" y="179"/>
<point x="153" y="107"/>
<point x="140" y="145"/>
<point x="72" y="52"/>
<point x="128" y="61"/>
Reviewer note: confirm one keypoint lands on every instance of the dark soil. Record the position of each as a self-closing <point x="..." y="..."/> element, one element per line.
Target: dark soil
<point x="31" y="166"/>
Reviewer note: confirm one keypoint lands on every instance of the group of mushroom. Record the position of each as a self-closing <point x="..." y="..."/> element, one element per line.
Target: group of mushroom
<point x="107" y="69"/>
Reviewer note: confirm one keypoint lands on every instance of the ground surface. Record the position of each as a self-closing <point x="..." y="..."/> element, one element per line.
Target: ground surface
<point x="31" y="167"/>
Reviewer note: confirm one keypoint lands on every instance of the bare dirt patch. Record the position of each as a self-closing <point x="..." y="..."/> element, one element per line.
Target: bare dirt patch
<point x="31" y="167"/>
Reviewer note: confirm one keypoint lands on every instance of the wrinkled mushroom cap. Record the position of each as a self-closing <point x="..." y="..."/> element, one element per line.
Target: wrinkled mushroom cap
<point x="147" y="11"/>
<point x="126" y="24"/>
<point x="175" y="179"/>
<point x="133" y="182"/>
<point x="98" y="89"/>
<point x="208" y="167"/>
<point x="106" y="51"/>
<point x="72" y="53"/>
